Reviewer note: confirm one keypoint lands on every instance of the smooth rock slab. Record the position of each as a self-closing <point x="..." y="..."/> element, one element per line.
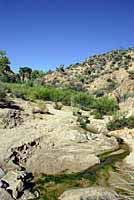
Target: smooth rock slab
<point x="92" y="193"/>
<point x="57" y="162"/>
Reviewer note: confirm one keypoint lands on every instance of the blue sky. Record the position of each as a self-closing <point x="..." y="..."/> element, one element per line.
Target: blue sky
<point x="43" y="34"/>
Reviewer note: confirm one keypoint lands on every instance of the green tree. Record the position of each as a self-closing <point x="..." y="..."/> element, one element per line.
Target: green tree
<point x="25" y="73"/>
<point x="4" y="62"/>
<point x="37" y="74"/>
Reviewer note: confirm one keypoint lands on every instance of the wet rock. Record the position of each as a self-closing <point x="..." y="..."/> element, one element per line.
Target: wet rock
<point x="128" y="136"/>
<point x="92" y="193"/>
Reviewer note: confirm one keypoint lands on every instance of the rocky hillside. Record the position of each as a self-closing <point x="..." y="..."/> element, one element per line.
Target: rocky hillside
<point x="59" y="144"/>
<point x="109" y="73"/>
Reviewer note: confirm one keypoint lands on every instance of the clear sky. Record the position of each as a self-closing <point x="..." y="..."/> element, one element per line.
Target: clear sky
<point x="45" y="33"/>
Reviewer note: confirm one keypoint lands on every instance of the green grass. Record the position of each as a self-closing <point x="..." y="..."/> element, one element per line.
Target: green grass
<point x="51" y="187"/>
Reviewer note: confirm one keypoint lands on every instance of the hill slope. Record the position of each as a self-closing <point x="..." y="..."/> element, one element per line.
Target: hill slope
<point x="109" y="73"/>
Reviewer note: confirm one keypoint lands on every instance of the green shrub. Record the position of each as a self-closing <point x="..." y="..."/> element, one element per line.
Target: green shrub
<point x="19" y="93"/>
<point x="99" y="93"/>
<point x="97" y="115"/>
<point x="121" y="122"/>
<point x="40" y="108"/>
<point x="83" y="121"/>
<point x="131" y="74"/>
<point x="57" y="105"/>
<point x="83" y="100"/>
<point x="105" y="105"/>
<point x="2" y="92"/>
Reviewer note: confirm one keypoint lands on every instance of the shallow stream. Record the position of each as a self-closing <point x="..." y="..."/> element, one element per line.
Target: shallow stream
<point x="51" y="187"/>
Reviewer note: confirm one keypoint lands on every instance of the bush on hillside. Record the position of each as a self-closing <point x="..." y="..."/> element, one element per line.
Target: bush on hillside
<point x="2" y="92"/>
<point x="105" y="105"/>
<point x="120" y="122"/>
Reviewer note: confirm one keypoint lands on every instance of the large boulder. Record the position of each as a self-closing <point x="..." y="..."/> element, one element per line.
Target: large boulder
<point x="92" y="193"/>
<point x="60" y="161"/>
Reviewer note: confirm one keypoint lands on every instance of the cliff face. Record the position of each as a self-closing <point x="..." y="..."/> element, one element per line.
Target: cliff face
<point x="109" y="73"/>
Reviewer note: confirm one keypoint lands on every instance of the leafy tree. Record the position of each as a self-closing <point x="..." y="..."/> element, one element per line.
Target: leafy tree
<point x="25" y="73"/>
<point x="37" y="74"/>
<point x="4" y="62"/>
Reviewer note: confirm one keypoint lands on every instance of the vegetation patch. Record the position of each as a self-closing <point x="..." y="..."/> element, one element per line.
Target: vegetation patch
<point x="83" y="100"/>
<point x="119" y="122"/>
<point x="51" y="187"/>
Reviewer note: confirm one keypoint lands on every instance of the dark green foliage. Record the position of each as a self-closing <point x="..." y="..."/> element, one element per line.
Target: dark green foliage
<point x="25" y="73"/>
<point x="60" y="68"/>
<point x="19" y="93"/>
<point x="131" y="74"/>
<point x="97" y="115"/>
<point x="111" y="86"/>
<point x="83" y="99"/>
<point x="4" y="62"/>
<point x="83" y="120"/>
<point x="2" y="92"/>
<point x="105" y="105"/>
<point x="37" y="74"/>
<point x="121" y="122"/>
<point x="99" y="93"/>
<point x="6" y="75"/>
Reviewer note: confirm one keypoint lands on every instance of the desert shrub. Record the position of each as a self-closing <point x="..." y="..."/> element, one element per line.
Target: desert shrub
<point x="96" y="114"/>
<point x="99" y="93"/>
<point x="40" y="107"/>
<point x="131" y="74"/>
<point x="58" y="105"/>
<point x="67" y="97"/>
<point x="83" y="100"/>
<point x="119" y="122"/>
<point x="111" y="86"/>
<point x="39" y="93"/>
<point x="83" y="120"/>
<point x="105" y="105"/>
<point x="2" y="92"/>
<point x="19" y="93"/>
